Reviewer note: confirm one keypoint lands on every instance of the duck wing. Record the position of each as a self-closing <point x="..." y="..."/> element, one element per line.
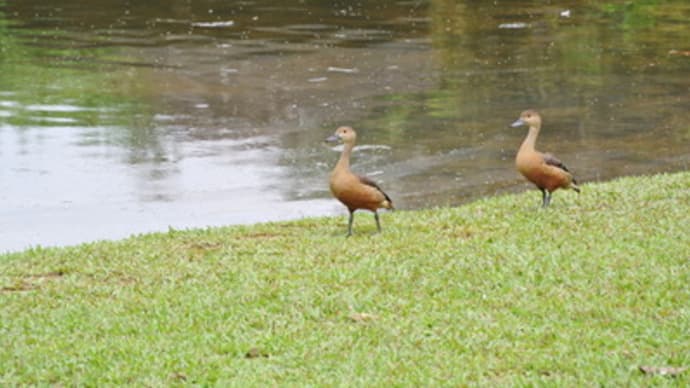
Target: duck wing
<point x="551" y="160"/>
<point x="554" y="161"/>
<point x="373" y="184"/>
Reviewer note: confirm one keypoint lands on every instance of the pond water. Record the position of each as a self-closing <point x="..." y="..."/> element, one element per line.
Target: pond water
<point x="127" y="117"/>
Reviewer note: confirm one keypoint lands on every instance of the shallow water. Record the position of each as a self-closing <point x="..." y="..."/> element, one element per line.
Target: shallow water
<point x="126" y="118"/>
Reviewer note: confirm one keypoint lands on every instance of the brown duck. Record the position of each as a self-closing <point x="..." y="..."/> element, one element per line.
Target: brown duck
<point x="542" y="169"/>
<point x="354" y="191"/>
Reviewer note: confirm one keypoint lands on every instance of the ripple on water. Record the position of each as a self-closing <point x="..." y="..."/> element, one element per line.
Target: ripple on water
<point x="217" y="24"/>
<point x="9" y="104"/>
<point x="64" y="108"/>
<point x="57" y="120"/>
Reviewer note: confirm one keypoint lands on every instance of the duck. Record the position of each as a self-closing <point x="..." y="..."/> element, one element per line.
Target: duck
<point x="546" y="171"/>
<point x="356" y="192"/>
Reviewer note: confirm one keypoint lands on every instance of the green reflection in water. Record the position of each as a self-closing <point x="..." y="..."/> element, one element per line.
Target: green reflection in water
<point x="49" y="85"/>
<point x="607" y="56"/>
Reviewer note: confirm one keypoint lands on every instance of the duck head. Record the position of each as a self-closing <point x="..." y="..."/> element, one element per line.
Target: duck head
<point x="346" y="135"/>
<point x="529" y="117"/>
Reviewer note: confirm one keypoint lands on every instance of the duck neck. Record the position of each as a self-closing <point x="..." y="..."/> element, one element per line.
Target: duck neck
<point x="344" y="161"/>
<point x="531" y="139"/>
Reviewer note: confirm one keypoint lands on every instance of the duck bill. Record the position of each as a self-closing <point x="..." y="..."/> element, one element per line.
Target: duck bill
<point x="332" y="139"/>
<point x="517" y="123"/>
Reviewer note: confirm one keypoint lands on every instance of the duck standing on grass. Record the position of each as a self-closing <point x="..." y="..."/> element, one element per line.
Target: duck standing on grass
<point x="542" y="169"/>
<point x="354" y="191"/>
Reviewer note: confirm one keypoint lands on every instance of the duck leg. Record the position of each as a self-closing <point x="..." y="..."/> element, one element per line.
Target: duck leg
<point x="349" y="223"/>
<point x="378" y="224"/>
<point x="547" y="198"/>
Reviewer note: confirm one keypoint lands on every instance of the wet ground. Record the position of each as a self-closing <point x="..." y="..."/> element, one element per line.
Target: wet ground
<point x="121" y="118"/>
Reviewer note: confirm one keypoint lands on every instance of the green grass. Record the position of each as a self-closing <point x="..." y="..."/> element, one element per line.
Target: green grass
<point x="497" y="292"/>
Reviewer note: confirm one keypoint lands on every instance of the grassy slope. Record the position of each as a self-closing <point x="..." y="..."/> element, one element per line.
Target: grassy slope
<point x="494" y="292"/>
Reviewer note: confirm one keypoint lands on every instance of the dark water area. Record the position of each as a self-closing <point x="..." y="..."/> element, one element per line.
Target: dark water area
<point x="127" y="117"/>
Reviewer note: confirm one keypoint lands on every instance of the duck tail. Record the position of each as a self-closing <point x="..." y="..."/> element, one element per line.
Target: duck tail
<point x="574" y="186"/>
<point x="387" y="202"/>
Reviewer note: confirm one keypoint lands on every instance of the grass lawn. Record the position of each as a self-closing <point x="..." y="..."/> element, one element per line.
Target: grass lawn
<point x="496" y="292"/>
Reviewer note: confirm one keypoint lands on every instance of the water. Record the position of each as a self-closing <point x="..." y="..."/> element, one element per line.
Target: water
<point x="119" y="118"/>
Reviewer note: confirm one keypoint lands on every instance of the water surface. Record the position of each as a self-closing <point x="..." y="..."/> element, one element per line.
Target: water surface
<point x="120" y="118"/>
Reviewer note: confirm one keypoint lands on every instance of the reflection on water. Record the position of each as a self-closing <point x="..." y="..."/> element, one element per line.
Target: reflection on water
<point x="121" y="118"/>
